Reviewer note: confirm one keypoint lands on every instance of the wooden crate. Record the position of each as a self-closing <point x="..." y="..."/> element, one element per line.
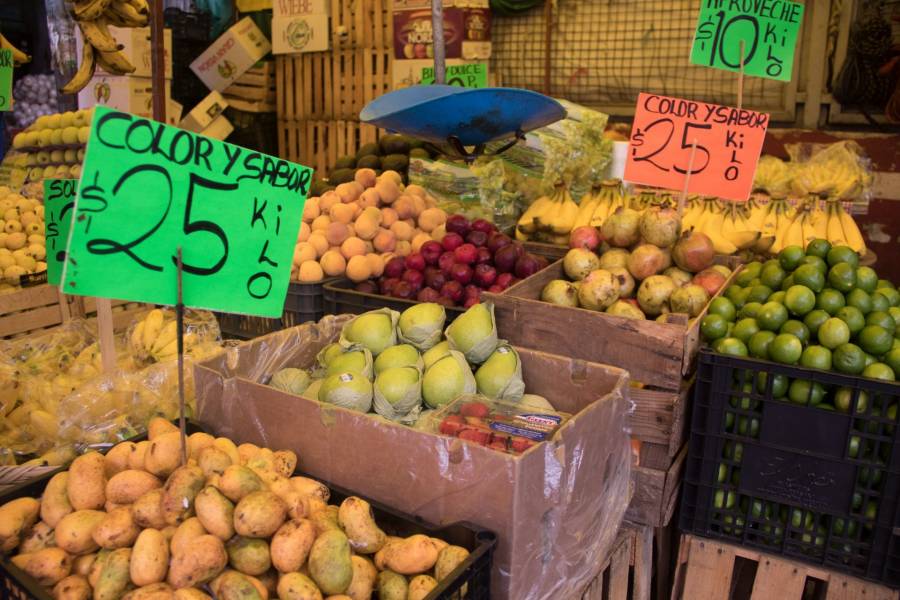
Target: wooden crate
<point x="710" y="570"/>
<point x="34" y="308"/>
<point x="318" y="144"/>
<point x="123" y="311"/>
<point x="630" y="561"/>
<point x="659" y="422"/>
<point x="659" y="355"/>
<point x="656" y="491"/>
<point x="255" y="90"/>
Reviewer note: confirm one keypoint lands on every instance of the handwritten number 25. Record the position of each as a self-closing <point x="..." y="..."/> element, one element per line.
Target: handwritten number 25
<point x="687" y="145"/>
<point x="662" y="146"/>
<point x="191" y="227"/>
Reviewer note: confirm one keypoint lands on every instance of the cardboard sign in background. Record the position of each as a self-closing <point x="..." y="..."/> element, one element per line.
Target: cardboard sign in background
<point x="471" y="75"/>
<point x="768" y="29"/>
<point x="59" y="209"/>
<point x="729" y="141"/>
<point x="148" y="188"/>
<point x="6" y="79"/>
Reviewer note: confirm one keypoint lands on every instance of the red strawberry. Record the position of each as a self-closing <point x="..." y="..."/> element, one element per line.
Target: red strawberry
<point x="475" y="435"/>
<point x="450" y="426"/>
<point x="476" y="422"/>
<point x="520" y="444"/>
<point x="474" y="409"/>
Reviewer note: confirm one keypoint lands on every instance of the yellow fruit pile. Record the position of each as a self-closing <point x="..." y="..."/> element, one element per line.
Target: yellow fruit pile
<point x="54" y="145"/>
<point x="137" y="523"/>
<point x="356" y="228"/>
<point x="22" y="242"/>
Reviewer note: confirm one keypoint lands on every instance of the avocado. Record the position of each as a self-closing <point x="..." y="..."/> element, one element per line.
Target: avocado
<point x="395" y="162"/>
<point x="319" y="187"/>
<point x="345" y="162"/>
<point x="415" y="143"/>
<point x="394" y="143"/>
<point x="367" y="150"/>
<point x="369" y="161"/>
<point x="419" y="153"/>
<point x="338" y="176"/>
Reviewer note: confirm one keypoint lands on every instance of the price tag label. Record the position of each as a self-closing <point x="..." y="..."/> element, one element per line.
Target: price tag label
<point x="148" y="188"/>
<point x="768" y="28"/>
<point x="59" y="208"/>
<point x="6" y="79"/>
<point x="729" y="141"/>
<point x="472" y="75"/>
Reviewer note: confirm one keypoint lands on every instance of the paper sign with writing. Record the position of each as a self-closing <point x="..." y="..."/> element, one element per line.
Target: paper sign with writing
<point x="729" y="141"/>
<point x="59" y="208"/>
<point x="768" y="29"/>
<point x="147" y="189"/>
<point x="6" y="78"/>
<point x="468" y="76"/>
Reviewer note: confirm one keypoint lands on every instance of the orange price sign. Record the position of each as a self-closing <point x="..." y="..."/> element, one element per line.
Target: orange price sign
<point x="718" y="145"/>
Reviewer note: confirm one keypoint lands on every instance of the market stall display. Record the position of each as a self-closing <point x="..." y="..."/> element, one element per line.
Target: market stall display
<point x="22" y="243"/>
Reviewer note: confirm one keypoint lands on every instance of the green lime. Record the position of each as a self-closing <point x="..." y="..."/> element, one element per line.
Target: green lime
<point x="879" y="371"/>
<point x="731" y="345"/>
<point x="848" y="358"/>
<point x="875" y="339"/>
<point x="748" y="273"/>
<point x="816" y="357"/>
<point x="790" y="257"/>
<point x="886" y="283"/>
<point x="799" y="299"/>
<point x="759" y="343"/>
<point x="853" y="317"/>
<point x="830" y="300"/>
<point x="879" y="301"/>
<point x="839" y="254"/>
<point x="779" y="384"/>
<point x="787" y="283"/>
<point x="785" y="348"/>
<point x="803" y="391"/>
<point x="809" y="276"/>
<point x="772" y="275"/>
<point x="744" y="328"/>
<point x="722" y="306"/>
<point x="842" y="277"/>
<point x="772" y="316"/>
<point x="751" y="309"/>
<point x="882" y="319"/>
<point x="777" y="297"/>
<point x="866" y="279"/>
<point x="843" y="399"/>
<point x="892" y="295"/>
<point x="896" y="343"/>
<point x="894" y="311"/>
<point x="816" y="262"/>
<point x="833" y="332"/>
<point x="814" y="319"/>
<point x="737" y="295"/>
<point x="892" y="359"/>
<point x="797" y="329"/>
<point x="818" y="247"/>
<point x="713" y="327"/>
<point x="869" y="359"/>
<point x="861" y="300"/>
<point x="759" y="293"/>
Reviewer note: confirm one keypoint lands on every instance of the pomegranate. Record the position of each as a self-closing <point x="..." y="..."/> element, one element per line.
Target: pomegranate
<point x="622" y="228"/>
<point x="679" y="276"/>
<point x="466" y="254"/>
<point x="526" y="266"/>
<point x="505" y="258"/>
<point x="461" y="273"/>
<point x="415" y="261"/>
<point x="660" y="225"/>
<point x="485" y="275"/>
<point x="614" y="257"/>
<point x="584" y="237"/>
<point x="431" y="251"/>
<point x="710" y="279"/>
<point x="693" y="251"/>
<point x="578" y="262"/>
<point x="653" y="295"/>
<point x="561" y="292"/>
<point x="598" y="290"/>
<point x="458" y="224"/>
<point x="646" y="260"/>
<point x="626" y="309"/>
<point x="626" y="281"/>
<point x="395" y="267"/>
<point x="690" y="299"/>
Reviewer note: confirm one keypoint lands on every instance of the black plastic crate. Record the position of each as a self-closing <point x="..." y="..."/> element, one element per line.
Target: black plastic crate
<point x="816" y="478"/>
<point x="304" y="302"/>
<point x="340" y="298"/>
<point x="471" y="580"/>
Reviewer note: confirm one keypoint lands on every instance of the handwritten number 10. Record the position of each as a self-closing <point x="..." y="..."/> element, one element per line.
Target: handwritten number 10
<point x="722" y="29"/>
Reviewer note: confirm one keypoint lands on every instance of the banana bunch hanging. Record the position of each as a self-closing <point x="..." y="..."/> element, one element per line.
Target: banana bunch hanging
<point x="19" y="57"/>
<point x="94" y="17"/>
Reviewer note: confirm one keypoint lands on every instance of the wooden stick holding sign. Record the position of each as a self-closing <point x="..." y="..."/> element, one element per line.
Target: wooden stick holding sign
<point x="740" y="89"/>
<point x="438" y="42"/>
<point x="687" y="179"/>
<point x="107" y="335"/>
<point x="179" y="325"/>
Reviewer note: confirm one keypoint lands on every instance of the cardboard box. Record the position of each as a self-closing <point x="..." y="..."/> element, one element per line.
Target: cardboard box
<point x="129" y="94"/>
<point x="219" y="129"/>
<point x="207" y="111"/>
<point x="231" y="55"/>
<point x="292" y="8"/>
<point x="300" y="33"/>
<point x="467" y="30"/>
<point x="136" y="48"/>
<point x="555" y="509"/>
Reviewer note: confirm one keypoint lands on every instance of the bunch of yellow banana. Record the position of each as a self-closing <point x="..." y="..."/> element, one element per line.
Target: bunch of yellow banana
<point x="94" y="17"/>
<point x="693" y="209"/>
<point x="154" y="338"/>
<point x="773" y="175"/>
<point x="19" y="57"/>
<point x="727" y="226"/>
<point x="549" y="218"/>
<point x="599" y="204"/>
<point x="842" y="229"/>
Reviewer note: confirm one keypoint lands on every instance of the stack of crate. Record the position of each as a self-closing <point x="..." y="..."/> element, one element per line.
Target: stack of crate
<point x="320" y="94"/>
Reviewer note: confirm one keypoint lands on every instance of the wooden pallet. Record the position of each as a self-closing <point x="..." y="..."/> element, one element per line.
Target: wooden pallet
<point x="255" y="90"/>
<point x="656" y="491"/>
<point x="627" y="572"/>
<point x="319" y="144"/>
<point x="34" y="309"/>
<point x="711" y="570"/>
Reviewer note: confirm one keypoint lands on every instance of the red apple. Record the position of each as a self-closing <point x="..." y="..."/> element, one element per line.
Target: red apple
<point x="497" y="241"/>
<point x="484" y="256"/>
<point x="461" y="273"/>
<point x="526" y="266"/>
<point x="404" y="290"/>
<point x="388" y="285"/>
<point x="470" y="302"/>
<point x="466" y="254"/>
<point x="431" y="251"/>
<point x="428" y="294"/>
<point x="446" y="262"/>
<point x="495" y="289"/>
<point x="452" y="241"/>
<point x="505" y="280"/>
<point x="367" y="287"/>
<point x="458" y="224"/>
<point x="484" y="226"/>
<point x="415" y="279"/>
<point x="477" y="238"/>
<point x="453" y="291"/>
<point x="395" y="267"/>
<point x="485" y="275"/>
<point x="415" y="261"/>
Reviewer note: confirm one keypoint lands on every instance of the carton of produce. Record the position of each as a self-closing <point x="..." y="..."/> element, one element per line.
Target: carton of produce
<point x="231" y="55"/>
<point x="555" y="507"/>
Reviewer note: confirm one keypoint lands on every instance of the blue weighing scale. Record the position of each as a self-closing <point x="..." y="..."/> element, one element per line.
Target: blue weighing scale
<point x="460" y="117"/>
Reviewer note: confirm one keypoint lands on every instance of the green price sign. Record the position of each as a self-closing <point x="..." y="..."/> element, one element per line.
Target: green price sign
<point x="6" y="79"/>
<point x="472" y="75"/>
<point x="147" y="189"/>
<point x="768" y="29"/>
<point x="59" y="208"/>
